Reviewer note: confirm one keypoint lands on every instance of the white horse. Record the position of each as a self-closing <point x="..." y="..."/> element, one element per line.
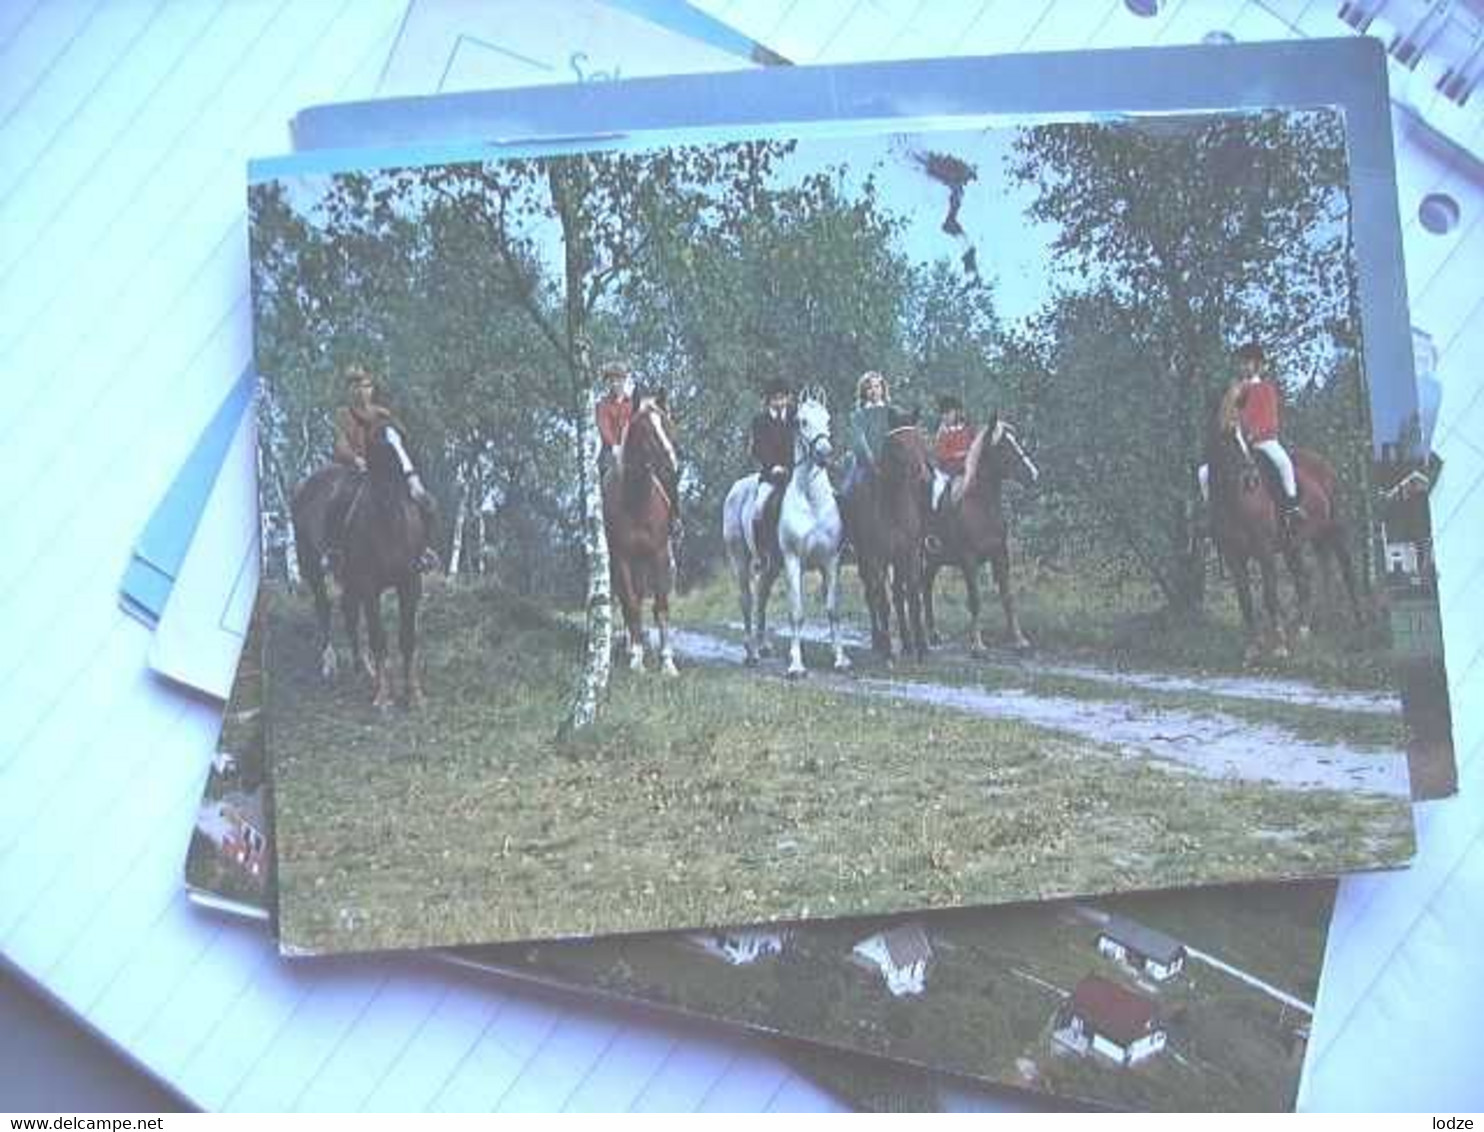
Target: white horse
<point x="809" y="533"/>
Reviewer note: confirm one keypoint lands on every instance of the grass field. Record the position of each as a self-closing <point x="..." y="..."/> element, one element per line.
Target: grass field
<point x="716" y="797"/>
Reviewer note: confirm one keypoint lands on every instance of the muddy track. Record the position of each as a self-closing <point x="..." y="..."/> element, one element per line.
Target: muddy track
<point x="1212" y="744"/>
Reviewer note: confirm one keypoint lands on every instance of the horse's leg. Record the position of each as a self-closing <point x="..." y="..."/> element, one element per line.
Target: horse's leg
<point x="970" y="571"/>
<point x="633" y="613"/>
<point x="929" y="614"/>
<point x="1341" y="551"/>
<point x="350" y="610"/>
<point x="1272" y="605"/>
<point x="1000" y="565"/>
<point x="765" y="582"/>
<point x="662" y="618"/>
<point x="794" y="566"/>
<point x="313" y="572"/>
<point x="914" y="610"/>
<point x="879" y="603"/>
<point x="832" y="608"/>
<point x="899" y="603"/>
<point x="1293" y="556"/>
<point x="409" y="594"/>
<point x="1242" y="578"/>
<point x="742" y="568"/>
<point x="377" y="632"/>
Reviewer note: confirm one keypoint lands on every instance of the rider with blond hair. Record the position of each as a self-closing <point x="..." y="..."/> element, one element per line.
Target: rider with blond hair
<point x="870" y="422"/>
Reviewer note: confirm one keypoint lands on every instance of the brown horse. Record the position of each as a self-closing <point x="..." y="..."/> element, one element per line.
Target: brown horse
<point x="886" y="520"/>
<point x="969" y="528"/>
<point x="1247" y="527"/>
<point x="636" y="519"/>
<point x="384" y="532"/>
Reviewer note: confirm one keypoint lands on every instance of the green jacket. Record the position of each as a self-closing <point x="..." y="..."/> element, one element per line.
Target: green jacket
<point x="869" y="425"/>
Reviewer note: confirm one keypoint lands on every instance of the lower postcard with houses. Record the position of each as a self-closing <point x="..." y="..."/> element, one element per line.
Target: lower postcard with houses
<point x="1197" y="1000"/>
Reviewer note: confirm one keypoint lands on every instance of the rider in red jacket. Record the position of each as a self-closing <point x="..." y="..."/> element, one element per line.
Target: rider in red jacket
<point x="613" y="412"/>
<point x="1259" y="416"/>
<point x="951" y="445"/>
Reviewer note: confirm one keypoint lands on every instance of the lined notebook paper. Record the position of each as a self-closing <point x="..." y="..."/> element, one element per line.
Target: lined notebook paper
<point x="123" y="330"/>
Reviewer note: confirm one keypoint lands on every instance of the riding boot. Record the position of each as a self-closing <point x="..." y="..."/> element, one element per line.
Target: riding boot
<point x="1292" y="514"/>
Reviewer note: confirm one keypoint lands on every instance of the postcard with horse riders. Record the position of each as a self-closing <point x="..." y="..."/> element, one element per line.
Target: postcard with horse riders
<point x="1189" y="1000"/>
<point x="1349" y="74"/>
<point x="590" y="412"/>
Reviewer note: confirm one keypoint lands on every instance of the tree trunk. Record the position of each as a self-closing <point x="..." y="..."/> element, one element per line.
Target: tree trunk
<point x="592" y="679"/>
<point x="460" y="513"/>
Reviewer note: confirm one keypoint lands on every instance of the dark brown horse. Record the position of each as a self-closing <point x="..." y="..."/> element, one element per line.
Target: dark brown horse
<point x="636" y="519"/>
<point x="384" y="532"/>
<point x="969" y="528"/>
<point x="886" y="521"/>
<point x="1247" y="527"/>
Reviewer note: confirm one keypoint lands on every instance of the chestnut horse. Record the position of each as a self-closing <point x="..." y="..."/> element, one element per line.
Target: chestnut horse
<point x="636" y="520"/>
<point x="886" y="519"/>
<point x="384" y="532"/>
<point x="1247" y="527"/>
<point x="970" y="529"/>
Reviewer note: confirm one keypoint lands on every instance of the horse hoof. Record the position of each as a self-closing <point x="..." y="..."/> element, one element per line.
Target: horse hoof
<point x="765" y="650"/>
<point x="750" y="661"/>
<point x="328" y="663"/>
<point x="842" y="663"/>
<point x="1022" y="644"/>
<point x="978" y="652"/>
<point x="1280" y="652"/>
<point x="667" y="666"/>
<point x="936" y="640"/>
<point x="797" y="673"/>
<point x="1304" y="632"/>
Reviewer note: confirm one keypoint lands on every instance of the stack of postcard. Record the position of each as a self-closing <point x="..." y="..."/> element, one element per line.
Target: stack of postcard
<point x="838" y="574"/>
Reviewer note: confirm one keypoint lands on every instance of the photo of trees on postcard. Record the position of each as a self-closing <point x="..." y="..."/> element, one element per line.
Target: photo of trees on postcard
<point x="663" y="536"/>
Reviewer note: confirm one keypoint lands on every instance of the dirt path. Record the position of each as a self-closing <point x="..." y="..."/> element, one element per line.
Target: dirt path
<point x="1270" y="689"/>
<point x="1213" y="744"/>
<point x="1251" y="980"/>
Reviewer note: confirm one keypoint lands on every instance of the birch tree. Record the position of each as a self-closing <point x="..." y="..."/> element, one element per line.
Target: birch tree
<point x="599" y="216"/>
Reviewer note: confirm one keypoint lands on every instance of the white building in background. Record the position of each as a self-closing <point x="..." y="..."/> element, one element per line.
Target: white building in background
<point x="1145" y="950"/>
<point x="901" y="954"/>
<point x="740" y="946"/>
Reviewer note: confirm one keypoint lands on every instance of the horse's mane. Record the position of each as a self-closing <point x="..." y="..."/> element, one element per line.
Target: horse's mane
<point x="1227" y="410"/>
<point x="971" y="461"/>
<point x="911" y="440"/>
<point x="632" y="472"/>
